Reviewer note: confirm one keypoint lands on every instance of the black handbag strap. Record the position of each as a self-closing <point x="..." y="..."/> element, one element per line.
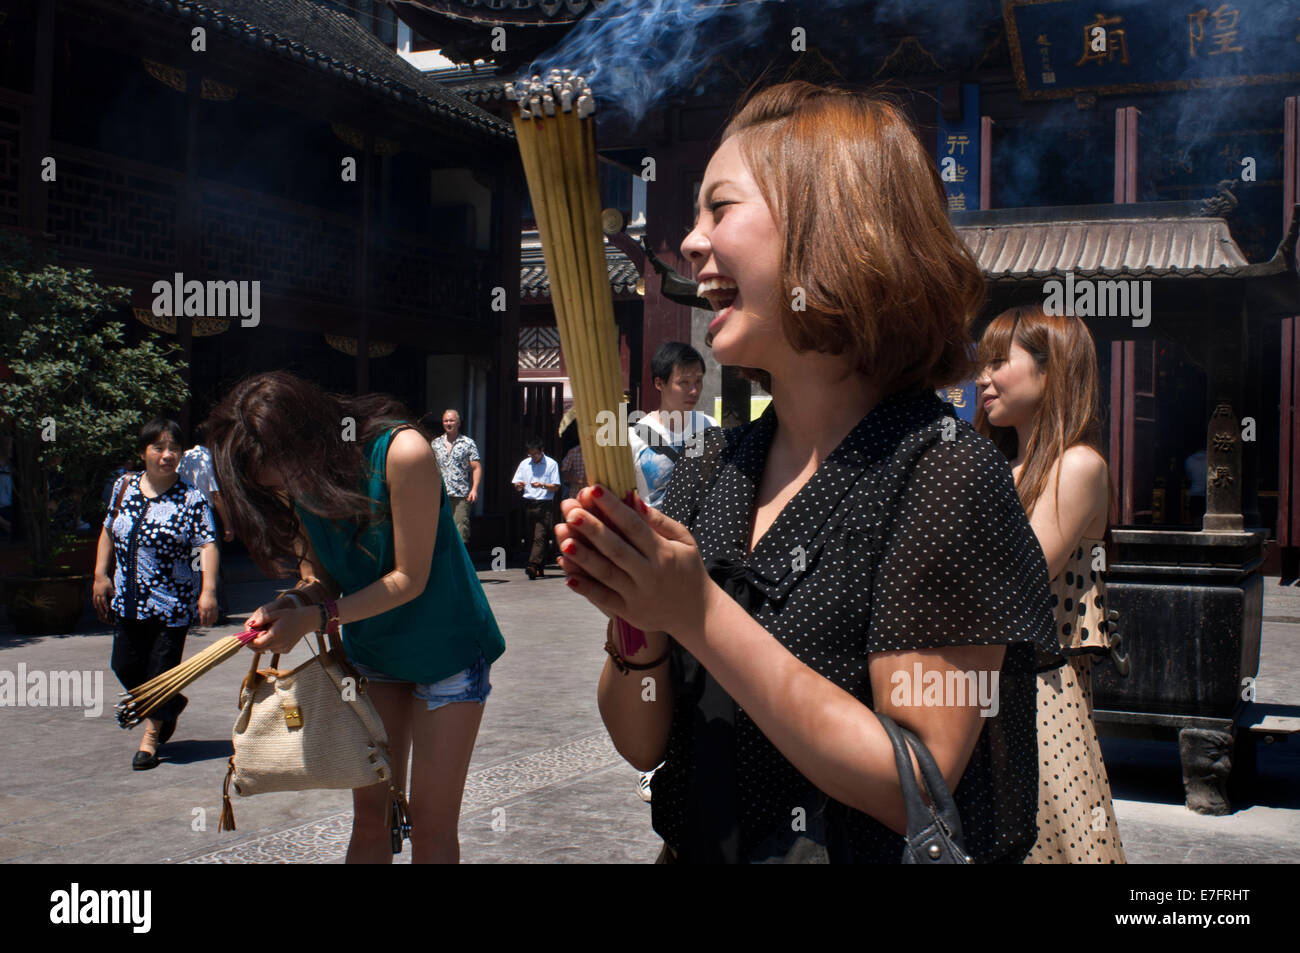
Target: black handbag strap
<point x="921" y="816"/>
<point x="656" y="442"/>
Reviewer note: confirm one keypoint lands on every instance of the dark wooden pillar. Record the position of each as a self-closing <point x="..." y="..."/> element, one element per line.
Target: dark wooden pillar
<point x="1123" y="354"/>
<point x="1288" y="473"/>
<point x="504" y="441"/>
<point x="986" y="162"/>
<point x="366" y="178"/>
<point x="36" y="133"/>
<point x="668" y="203"/>
<point x="187" y="236"/>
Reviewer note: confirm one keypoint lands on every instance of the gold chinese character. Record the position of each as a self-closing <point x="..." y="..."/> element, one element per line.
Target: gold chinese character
<point x="956" y="397"/>
<point x="1114" y="42"/>
<point x="959" y="141"/>
<point x="957" y="203"/>
<point x="1223" y="30"/>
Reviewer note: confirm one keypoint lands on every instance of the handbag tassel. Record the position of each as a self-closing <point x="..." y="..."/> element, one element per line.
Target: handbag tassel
<point x="227" y="822"/>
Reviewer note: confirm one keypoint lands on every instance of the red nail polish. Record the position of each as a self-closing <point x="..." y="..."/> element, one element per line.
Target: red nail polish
<point x="641" y="505"/>
<point x="597" y="492"/>
<point x="568" y="547"/>
<point x="571" y="583"/>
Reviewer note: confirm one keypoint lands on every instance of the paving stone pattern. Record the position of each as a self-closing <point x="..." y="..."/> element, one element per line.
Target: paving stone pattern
<point x="545" y="784"/>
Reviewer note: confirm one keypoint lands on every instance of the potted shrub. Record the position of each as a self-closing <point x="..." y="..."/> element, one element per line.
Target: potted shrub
<point x="74" y="397"/>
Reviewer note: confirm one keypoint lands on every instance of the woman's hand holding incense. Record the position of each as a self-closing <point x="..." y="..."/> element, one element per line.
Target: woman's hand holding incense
<point x="282" y="628"/>
<point x="637" y="564"/>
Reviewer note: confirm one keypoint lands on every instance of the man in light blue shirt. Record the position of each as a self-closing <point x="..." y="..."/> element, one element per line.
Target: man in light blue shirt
<point x="538" y="478"/>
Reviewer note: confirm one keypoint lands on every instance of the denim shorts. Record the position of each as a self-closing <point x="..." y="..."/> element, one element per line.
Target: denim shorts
<point x="471" y="685"/>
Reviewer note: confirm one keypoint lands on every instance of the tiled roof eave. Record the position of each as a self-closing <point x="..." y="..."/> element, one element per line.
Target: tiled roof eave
<point x="253" y="35"/>
<point x="1121" y="248"/>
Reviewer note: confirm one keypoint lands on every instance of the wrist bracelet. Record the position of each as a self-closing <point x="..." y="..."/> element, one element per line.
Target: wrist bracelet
<point x="624" y="666"/>
<point x="330" y="613"/>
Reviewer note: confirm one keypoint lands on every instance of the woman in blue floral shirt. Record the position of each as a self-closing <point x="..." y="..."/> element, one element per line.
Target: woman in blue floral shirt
<point x="154" y="526"/>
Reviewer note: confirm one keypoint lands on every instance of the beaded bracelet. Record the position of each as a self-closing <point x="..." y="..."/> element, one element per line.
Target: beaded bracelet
<point x="623" y="665"/>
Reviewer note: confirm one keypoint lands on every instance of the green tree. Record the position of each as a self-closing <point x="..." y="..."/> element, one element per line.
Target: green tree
<point x="75" y="395"/>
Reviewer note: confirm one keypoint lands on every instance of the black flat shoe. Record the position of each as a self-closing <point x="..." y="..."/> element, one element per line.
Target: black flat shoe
<point x="532" y="573"/>
<point x="169" y="727"/>
<point x="143" y="761"/>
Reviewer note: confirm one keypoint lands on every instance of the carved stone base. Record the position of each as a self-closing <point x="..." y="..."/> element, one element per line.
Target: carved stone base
<point x="1207" y="762"/>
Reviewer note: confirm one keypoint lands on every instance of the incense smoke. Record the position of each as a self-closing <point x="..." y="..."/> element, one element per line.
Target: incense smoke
<point x="635" y="53"/>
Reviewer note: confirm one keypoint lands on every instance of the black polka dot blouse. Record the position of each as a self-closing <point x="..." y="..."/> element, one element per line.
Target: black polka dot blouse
<point x="910" y="535"/>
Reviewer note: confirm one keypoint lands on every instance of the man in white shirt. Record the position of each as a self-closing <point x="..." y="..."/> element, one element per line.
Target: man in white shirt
<point x="196" y="469"/>
<point x="660" y="438"/>
<point x="538" y="478"/>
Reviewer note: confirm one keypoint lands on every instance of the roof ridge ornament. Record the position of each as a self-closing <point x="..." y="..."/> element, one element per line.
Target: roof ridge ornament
<point x="1223" y="203"/>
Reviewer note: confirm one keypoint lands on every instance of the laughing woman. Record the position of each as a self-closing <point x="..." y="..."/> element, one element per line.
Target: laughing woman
<point x="808" y="565"/>
<point x="1038" y="400"/>
<point x="367" y="518"/>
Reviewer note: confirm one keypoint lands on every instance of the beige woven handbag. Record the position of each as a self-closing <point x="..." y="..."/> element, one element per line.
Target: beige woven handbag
<point x="306" y="730"/>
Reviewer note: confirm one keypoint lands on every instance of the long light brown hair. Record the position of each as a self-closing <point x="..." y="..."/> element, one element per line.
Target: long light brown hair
<point x="865" y="233"/>
<point x="1070" y="412"/>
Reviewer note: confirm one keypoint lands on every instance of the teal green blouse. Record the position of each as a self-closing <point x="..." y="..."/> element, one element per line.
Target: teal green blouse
<point x="441" y="631"/>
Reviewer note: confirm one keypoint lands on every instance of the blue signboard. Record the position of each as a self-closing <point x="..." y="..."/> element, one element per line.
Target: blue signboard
<point x="959" y="152"/>
<point x="962" y="398"/>
<point x="1061" y="48"/>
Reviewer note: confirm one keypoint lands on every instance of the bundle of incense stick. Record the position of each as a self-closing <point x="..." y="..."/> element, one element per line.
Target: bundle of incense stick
<point x="141" y="702"/>
<point x="554" y="128"/>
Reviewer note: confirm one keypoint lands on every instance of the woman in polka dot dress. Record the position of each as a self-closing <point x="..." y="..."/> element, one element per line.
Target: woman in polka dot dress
<point x="843" y="554"/>
<point x="1038" y="400"/>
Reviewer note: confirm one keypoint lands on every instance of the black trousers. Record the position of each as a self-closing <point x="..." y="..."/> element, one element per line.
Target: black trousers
<point x="538" y="517"/>
<point x="145" y="648"/>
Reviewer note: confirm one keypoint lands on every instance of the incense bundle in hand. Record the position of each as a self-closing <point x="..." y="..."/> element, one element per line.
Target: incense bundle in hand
<point x="557" y="144"/>
<point x="554" y="128"/>
<point x="141" y="702"/>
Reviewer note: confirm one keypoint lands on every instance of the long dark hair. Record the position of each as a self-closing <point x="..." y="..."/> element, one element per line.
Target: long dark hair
<point x="1069" y="413"/>
<point x="314" y="439"/>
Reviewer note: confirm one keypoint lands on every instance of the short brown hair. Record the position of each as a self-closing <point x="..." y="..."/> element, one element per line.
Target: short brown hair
<point x="865" y="233"/>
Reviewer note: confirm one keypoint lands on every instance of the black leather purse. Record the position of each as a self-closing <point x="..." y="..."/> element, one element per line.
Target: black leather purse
<point x="933" y="830"/>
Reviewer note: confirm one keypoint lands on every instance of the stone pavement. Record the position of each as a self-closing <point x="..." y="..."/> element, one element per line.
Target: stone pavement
<point x="543" y="770"/>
